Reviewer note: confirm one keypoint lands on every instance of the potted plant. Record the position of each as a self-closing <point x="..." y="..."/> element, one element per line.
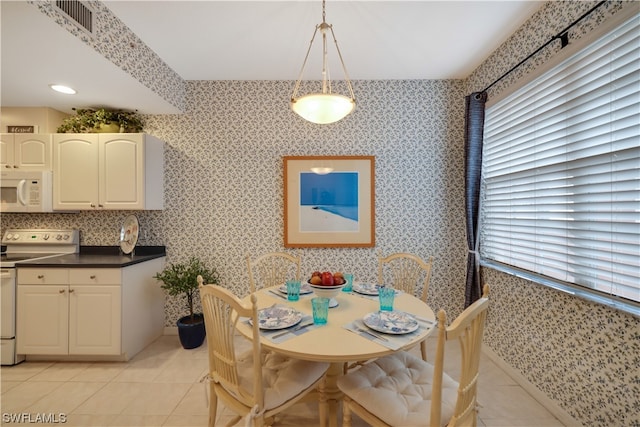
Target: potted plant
<point x="181" y="279"/>
<point x="88" y="120"/>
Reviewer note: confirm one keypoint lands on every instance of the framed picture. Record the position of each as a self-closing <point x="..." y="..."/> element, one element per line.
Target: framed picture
<point x="329" y="201"/>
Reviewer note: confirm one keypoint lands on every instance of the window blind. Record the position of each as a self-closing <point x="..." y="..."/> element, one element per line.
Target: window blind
<point x="561" y="170"/>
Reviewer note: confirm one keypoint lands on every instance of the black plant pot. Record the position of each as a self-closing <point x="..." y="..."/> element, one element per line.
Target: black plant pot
<point x="191" y="334"/>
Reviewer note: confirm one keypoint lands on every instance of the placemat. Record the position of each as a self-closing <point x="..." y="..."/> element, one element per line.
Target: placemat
<point x="394" y="342"/>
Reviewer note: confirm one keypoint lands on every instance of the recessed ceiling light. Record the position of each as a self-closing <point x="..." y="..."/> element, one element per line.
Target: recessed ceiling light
<point x="63" y="89"/>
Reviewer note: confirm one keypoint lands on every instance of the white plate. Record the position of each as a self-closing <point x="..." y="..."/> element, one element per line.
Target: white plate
<point x="129" y="234"/>
<point x="365" y="288"/>
<point x="278" y="317"/>
<point x="304" y="289"/>
<point x="391" y="322"/>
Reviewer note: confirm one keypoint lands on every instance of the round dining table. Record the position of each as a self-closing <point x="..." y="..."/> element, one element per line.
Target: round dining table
<point x="336" y="344"/>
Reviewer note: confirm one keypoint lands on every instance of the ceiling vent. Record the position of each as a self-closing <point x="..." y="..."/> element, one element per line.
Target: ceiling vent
<point x="77" y="11"/>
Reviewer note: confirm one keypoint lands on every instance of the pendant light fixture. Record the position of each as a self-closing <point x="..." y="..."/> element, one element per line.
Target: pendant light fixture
<point x="326" y="106"/>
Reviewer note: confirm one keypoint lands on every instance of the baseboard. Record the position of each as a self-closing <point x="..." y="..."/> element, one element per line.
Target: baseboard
<point x="542" y="398"/>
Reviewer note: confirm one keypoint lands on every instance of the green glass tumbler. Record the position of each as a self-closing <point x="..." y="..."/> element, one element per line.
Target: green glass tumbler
<point x="293" y="290"/>
<point x="320" y="310"/>
<point x="348" y="284"/>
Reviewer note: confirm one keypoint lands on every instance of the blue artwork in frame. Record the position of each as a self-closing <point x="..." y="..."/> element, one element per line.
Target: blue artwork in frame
<point x="332" y="208"/>
<point x="329" y="202"/>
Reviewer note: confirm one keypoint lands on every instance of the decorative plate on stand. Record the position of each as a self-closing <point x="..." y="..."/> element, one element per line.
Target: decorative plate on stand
<point x="129" y="234"/>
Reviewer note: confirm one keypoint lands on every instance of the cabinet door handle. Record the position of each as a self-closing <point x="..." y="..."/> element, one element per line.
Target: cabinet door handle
<point x="71" y="291"/>
<point x="40" y="276"/>
<point x="61" y="291"/>
<point x="93" y="276"/>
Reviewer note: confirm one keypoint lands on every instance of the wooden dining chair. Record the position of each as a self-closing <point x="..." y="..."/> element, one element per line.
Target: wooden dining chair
<point x="256" y="384"/>
<point x="409" y="273"/>
<point x="403" y="390"/>
<point x="272" y="269"/>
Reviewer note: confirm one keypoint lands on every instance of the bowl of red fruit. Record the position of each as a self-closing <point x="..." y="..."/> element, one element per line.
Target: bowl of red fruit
<point x="327" y="285"/>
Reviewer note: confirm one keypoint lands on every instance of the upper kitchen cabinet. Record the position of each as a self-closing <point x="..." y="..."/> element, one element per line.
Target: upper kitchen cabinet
<point x="25" y="151"/>
<point x="117" y="171"/>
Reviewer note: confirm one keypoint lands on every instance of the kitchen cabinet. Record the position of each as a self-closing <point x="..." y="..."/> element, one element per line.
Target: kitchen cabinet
<point x="69" y="313"/>
<point x="90" y="312"/>
<point x="26" y="151"/>
<point x="121" y="171"/>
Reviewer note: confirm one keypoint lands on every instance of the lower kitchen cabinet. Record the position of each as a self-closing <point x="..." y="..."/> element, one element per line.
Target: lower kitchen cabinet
<point x="43" y="319"/>
<point x="94" y="320"/>
<point x="69" y="319"/>
<point x="89" y="311"/>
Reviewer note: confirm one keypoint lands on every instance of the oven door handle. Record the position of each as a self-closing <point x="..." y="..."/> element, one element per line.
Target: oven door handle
<point x="5" y="273"/>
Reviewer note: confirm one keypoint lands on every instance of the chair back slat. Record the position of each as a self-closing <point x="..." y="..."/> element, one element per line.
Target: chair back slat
<point x="272" y="269"/>
<point x="406" y="272"/>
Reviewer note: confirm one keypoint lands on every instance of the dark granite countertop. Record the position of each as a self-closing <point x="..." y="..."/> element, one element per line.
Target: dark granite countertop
<point x="99" y="257"/>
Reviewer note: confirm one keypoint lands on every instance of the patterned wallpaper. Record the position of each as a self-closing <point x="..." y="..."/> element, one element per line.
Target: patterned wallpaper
<point x="224" y="180"/>
<point x="582" y="355"/>
<point x="223" y="192"/>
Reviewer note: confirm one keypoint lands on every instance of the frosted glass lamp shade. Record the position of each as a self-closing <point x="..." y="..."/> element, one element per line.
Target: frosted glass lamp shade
<point x="323" y="108"/>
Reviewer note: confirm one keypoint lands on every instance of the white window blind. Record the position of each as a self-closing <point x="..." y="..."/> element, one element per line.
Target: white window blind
<point x="561" y="170"/>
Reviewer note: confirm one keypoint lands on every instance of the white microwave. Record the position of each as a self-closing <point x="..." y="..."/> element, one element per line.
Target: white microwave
<point x="22" y="191"/>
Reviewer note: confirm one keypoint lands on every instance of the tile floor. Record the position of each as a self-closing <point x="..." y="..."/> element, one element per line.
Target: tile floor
<point x="161" y="387"/>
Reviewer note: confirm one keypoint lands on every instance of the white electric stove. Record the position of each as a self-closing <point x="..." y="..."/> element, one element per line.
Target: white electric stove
<point x="25" y="245"/>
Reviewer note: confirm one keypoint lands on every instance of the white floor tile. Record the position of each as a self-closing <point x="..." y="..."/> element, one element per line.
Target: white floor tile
<point x="161" y="387"/>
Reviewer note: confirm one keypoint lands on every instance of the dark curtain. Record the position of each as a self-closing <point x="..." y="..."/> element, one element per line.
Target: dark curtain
<point x="473" y="135"/>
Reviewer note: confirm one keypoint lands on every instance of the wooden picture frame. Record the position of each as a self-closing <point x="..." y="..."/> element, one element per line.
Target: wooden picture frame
<point x="334" y="209"/>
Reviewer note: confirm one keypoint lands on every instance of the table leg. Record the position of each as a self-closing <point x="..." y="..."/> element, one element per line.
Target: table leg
<point x="331" y="396"/>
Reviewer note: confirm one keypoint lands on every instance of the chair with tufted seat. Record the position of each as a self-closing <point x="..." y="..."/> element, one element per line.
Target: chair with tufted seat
<point x="272" y="269"/>
<point x="404" y="390"/>
<point x="257" y="384"/>
<point x="409" y="273"/>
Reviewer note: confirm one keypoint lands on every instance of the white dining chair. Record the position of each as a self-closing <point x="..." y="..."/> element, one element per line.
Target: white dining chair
<point x="404" y="390"/>
<point x="257" y="385"/>
<point x="272" y="269"/>
<point x="409" y="273"/>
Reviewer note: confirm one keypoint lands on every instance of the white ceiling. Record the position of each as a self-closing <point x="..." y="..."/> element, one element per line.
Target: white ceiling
<point x="252" y="40"/>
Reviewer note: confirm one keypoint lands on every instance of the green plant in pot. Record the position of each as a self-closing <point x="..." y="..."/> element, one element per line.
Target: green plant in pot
<point x="181" y="279"/>
<point x="88" y="120"/>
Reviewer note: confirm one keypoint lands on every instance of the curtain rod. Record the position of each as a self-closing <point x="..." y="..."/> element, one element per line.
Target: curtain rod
<point x="562" y="35"/>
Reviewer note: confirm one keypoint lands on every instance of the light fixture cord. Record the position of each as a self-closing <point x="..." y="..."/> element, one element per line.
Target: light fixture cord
<point x="325" y="71"/>
<point x="324" y="11"/>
